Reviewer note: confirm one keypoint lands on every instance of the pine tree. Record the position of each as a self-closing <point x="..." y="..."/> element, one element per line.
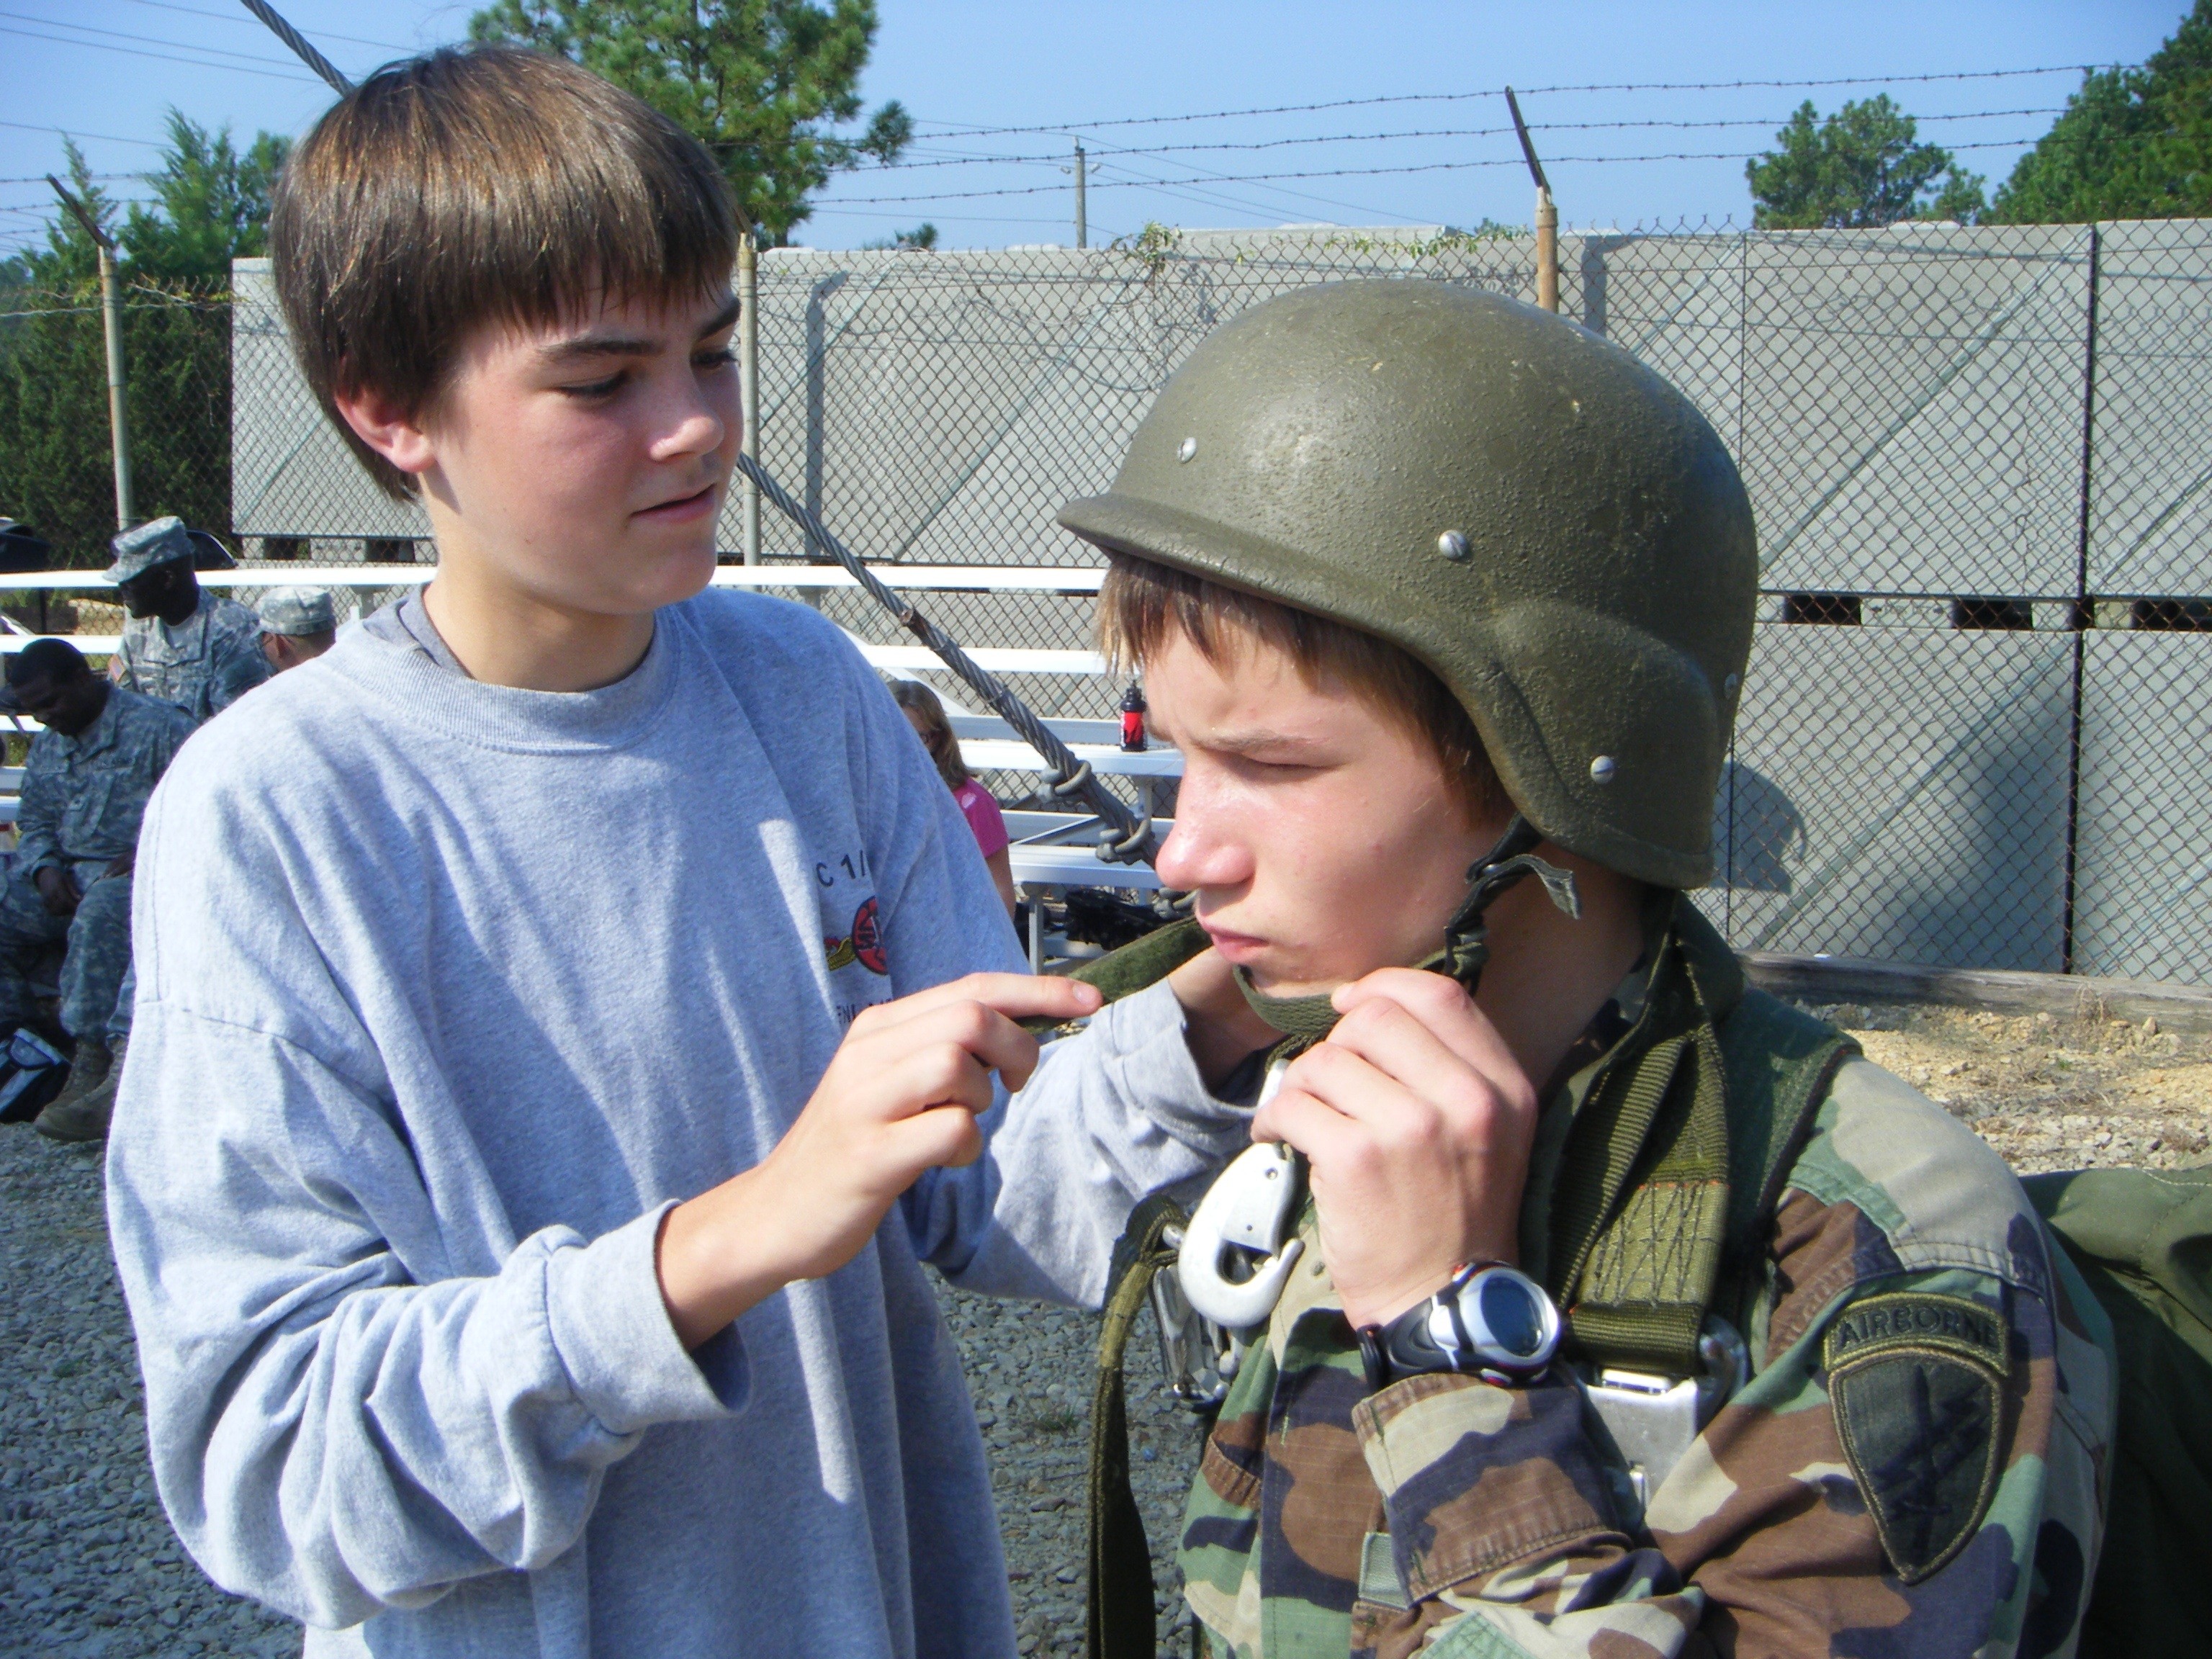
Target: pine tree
<point x="761" y="84"/>
<point x="211" y="204"/>
<point x="1862" y="167"/>
<point x="2133" y="143"/>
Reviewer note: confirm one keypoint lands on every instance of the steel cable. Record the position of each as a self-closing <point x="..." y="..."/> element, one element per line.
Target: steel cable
<point x="1128" y="838"/>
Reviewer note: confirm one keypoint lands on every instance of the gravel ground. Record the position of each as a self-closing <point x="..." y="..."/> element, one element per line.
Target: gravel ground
<point x="89" y="1565"/>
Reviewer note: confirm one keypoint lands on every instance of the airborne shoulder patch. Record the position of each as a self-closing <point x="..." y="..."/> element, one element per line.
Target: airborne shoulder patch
<point x="1916" y="1382"/>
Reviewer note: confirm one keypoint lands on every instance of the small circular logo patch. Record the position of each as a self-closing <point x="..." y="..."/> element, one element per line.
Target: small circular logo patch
<point x="868" y="940"/>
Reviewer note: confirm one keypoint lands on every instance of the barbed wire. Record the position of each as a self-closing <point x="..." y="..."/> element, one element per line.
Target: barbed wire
<point x="1527" y="92"/>
<point x="1372" y="172"/>
<point x="1058" y="158"/>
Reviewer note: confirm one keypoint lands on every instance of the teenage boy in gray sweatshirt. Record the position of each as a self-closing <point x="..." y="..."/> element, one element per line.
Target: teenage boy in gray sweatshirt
<point x="569" y="1009"/>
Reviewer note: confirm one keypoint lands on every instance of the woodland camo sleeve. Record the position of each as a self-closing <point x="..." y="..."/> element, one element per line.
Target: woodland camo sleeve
<point x="1915" y="1468"/>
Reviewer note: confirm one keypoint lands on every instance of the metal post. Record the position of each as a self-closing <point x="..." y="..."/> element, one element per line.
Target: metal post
<point x="1547" y="250"/>
<point x="2084" y="615"/>
<point x="1082" y="201"/>
<point x="749" y="384"/>
<point x="1547" y="216"/>
<point x="111" y="305"/>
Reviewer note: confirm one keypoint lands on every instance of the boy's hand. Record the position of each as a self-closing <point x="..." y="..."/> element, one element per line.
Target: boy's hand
<point x="899" y="1097"/>
<point x="1416" y="1122"/>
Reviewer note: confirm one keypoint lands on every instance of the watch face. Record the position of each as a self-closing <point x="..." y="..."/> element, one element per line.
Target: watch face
<point x="1516" y="1322"/>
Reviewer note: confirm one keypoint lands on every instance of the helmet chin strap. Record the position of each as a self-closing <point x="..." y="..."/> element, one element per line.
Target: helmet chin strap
<point x="1467" y="936"/>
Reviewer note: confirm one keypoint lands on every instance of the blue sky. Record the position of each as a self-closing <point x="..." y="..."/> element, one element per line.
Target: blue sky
<point x="106" y="71"/>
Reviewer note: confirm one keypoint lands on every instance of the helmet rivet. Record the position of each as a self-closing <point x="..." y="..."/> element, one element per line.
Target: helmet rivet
<point x="1187" y="449"/>
<point x="1602" y="769"/>
<point x="1730" y="684"/>
<point x="1454" y="546"/>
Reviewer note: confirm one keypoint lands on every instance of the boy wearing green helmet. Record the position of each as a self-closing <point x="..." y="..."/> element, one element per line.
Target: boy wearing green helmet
<point x="1631" y="1311"/>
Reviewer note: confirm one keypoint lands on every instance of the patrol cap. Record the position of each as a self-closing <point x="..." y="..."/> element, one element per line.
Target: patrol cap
<point x="292" y="611"/>
<point x="164" y="541"/>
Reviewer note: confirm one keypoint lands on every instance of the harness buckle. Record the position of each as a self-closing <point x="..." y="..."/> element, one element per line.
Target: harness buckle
<point x="1192" y="1347"/>
<point x="1235" y="1260"/>
<point x="1654" y="1419"/>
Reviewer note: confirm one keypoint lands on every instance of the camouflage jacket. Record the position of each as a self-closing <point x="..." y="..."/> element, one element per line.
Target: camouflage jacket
<point x="204" y="665"/>
<point x="84" y="796"/>
<point x="1916" y="1465"/>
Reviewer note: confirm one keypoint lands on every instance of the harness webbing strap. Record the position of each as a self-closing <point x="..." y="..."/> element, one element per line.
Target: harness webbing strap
<point x="1119" y="1612"/>
<point x="1640" y="1212"/>
<point x="1780" y="1063"/>
<point x="1308" y="1019"/>
<point x="1666" y="1195"/>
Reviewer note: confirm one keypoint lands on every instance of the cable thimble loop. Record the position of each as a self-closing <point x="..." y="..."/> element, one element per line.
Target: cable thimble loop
<point x="1129" y="849"/>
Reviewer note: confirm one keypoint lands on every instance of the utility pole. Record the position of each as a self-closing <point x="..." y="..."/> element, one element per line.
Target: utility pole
<point x="1082" y="200"/>
<point x="1547" y="216"/>
<point x="112" y="311"/>
<point x="749" y="382"/>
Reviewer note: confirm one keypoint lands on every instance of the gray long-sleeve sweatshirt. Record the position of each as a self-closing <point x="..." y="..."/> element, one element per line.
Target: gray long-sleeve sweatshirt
<point x="446" y="991"/>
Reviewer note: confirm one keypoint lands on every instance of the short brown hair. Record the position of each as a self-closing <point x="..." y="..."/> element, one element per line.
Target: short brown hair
<point x="486" y="184"/>
<point x="937" y="736"/>
<point x="1141" y="600"/>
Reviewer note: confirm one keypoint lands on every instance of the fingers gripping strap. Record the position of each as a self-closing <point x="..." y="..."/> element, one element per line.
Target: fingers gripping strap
<point x="1310" y="1017"/>
<point x="1120" y="1615"/>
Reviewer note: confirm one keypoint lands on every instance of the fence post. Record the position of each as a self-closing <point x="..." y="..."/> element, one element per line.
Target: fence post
<point x="1547" y="250"/>
<point x="1548" y="215"/>
<point x="1082" y="201"/>
<point x="749" y="384"/>
<point x="2083" y="616"/>
<point x="111" y="308"/>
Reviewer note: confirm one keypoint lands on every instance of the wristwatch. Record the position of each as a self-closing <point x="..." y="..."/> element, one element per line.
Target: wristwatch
<point x="1490" y="1320"/>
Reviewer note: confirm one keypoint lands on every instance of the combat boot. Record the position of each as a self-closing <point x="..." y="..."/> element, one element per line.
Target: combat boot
<point x="81" y="1111"/>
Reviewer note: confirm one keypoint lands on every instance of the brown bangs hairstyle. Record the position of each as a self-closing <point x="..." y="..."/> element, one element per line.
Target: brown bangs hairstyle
<point x="1140" y="601"/>
<point x="935" y="730"/>
<point x="474" y="185"/>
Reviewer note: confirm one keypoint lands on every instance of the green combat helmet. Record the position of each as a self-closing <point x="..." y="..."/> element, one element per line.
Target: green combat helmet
<point x="1550" y="526"/>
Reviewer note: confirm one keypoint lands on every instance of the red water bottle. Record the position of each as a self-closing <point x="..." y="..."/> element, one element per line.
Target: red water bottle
<point x="1133" y="718"/>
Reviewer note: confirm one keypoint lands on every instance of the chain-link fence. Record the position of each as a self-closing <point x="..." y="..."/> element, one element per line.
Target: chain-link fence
<point x="1981" y="460"/>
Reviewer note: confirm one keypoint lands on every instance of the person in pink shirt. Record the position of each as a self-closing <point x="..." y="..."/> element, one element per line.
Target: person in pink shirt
<point x="927" y="715"/>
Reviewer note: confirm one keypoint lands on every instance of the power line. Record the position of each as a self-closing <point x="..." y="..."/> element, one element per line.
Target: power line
<point x="64" y="132"/>
<point x="1423" y="166"/>
<point x="1526" y="91"/>
<point x="143" y="39"/>
<point x="252" y="23"/>
<point x="164" y="56"/>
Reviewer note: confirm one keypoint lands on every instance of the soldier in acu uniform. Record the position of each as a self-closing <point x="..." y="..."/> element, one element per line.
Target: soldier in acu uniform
<point x="298" y="624"/>
<point x="1751" y="1349"/>
<point x="199" y="651"/>
<point x="85" y="788"/>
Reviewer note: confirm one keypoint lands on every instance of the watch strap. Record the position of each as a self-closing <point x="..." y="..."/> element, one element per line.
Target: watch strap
<point x="1405" y="1346"/>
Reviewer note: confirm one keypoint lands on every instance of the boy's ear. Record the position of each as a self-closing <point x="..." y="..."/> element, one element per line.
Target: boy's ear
<point x="397" y="436"/>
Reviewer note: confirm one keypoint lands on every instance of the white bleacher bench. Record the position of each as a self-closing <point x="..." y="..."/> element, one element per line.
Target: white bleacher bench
<point x="1055" y="850"/>
<point x="916" y="577"/>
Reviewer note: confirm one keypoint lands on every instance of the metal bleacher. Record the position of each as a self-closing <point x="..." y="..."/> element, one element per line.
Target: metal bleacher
<point x="1050" y="851"/>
